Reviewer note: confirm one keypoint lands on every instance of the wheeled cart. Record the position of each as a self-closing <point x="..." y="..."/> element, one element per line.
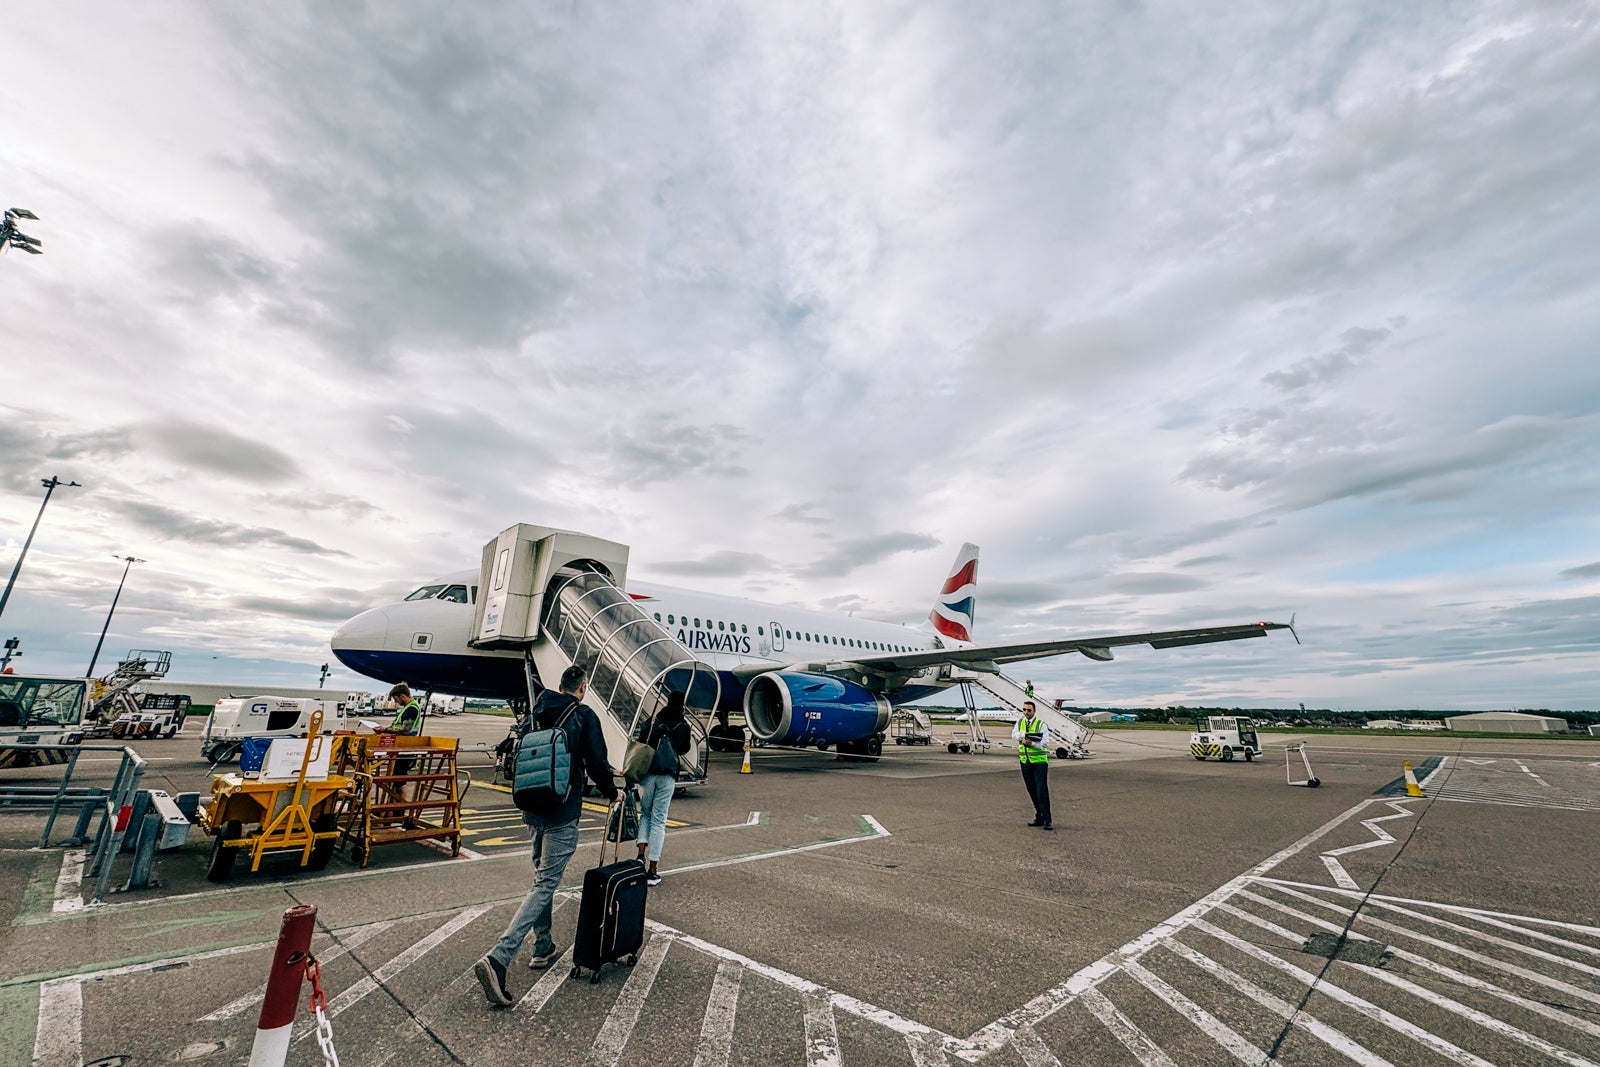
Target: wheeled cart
<point x="287" y="813"/>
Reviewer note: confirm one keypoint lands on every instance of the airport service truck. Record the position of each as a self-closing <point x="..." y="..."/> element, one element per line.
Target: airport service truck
<point x="1224" y="736"/>
<point x="236" y="719"/>
<point x="38" y="714"/>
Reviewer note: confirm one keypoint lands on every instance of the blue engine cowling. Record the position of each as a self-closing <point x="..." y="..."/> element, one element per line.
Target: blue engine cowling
<point x="797" y="708"/>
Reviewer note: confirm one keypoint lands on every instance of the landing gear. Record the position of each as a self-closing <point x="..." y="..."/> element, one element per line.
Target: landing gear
<point x="866" y="750"/>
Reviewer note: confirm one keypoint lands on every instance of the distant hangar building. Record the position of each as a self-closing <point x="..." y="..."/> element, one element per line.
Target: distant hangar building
<point x="1508" y="722"/>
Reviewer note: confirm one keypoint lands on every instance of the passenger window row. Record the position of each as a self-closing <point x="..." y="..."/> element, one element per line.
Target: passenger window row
<point x="788" y="635"/>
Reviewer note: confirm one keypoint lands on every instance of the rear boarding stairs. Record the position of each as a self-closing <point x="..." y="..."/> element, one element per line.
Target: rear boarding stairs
<point x="1069" y="736"/>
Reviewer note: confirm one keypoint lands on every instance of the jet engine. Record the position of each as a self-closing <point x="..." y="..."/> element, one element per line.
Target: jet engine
<point x="799" y="708"/>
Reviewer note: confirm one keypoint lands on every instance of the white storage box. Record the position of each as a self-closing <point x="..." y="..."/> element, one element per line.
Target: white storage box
<point x="283" y="759"/>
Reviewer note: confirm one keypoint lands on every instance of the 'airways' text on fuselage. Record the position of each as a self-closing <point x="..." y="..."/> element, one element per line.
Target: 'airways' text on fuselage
<point x="700" y="641"/>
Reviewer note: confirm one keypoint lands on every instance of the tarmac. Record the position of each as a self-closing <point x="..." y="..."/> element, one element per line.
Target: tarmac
<point x="823" y="912"/>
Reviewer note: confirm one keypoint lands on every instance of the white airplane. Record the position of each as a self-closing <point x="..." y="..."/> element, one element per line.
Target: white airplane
<point x="423" y="640"/>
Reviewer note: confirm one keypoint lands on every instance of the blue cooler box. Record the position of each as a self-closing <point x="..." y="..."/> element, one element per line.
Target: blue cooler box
<point x="253" y="755"/>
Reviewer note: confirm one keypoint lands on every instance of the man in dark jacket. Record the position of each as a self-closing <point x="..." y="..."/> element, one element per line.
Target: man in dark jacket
<point x="555" y="836"/>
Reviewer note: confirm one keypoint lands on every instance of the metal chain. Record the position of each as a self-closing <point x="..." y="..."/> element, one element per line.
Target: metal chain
<point x="319" y="1005"/>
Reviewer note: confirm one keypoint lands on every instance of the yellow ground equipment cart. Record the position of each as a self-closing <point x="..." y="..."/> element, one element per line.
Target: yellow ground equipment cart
<point x="291" y="803"/>
<point x="406" y="789"/>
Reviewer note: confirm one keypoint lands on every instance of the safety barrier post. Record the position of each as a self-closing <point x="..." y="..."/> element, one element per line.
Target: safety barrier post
<point x="276" y="1025"/>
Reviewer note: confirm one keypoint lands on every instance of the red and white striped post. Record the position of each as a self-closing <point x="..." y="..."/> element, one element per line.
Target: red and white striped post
<point x="276" y="1025"/>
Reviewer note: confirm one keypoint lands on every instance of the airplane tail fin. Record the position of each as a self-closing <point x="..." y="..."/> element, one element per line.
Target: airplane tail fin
<point x="954" y="609"/>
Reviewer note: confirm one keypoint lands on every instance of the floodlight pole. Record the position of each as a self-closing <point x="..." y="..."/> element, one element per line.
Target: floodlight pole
<point x="324" y="679"/>
<point x="128" y="561"/>
<point x="49" y="484"/>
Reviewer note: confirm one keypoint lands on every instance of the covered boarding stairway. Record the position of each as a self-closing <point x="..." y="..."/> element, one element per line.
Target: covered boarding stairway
<point x="633" y="662"/>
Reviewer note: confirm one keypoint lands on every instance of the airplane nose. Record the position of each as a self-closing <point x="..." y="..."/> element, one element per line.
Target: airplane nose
<point x="367" y="631"/>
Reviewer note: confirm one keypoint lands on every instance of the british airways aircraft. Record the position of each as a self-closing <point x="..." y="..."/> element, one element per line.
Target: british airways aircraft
<point x="424" y="640"/>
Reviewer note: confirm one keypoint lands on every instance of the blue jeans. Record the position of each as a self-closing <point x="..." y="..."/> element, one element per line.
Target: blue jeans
<point x="553" y="846"/>
<point x="655" y="795"/>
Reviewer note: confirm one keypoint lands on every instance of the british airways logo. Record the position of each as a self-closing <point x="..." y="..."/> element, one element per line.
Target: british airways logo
<point x="700" y="641"/>
<point x="952" y="613"/>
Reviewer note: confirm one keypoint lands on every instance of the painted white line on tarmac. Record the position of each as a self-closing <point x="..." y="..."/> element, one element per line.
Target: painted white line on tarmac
<point x="539" y="994"/>
<point x="1434" y="966"/>
<point x="1488" y="1022"/>
<point x="1454" y="909"/>
<point x="1383" y="837"/>
<point x="254" y="997"/>
<point x="354" y="994"/>
<point x="1454" y="1053"/>
<point x="68" y="895"/>
<point x="880" y="1016"/>
<point x="624" y="1014"/>
<point x="58" y="1041"/>
<point x="1461" y="978"/>
<point x="822" y="1033"/>
<point x="716" y="1028"/>
<point x="1282" y="1009"/>
<point x="1123" y="1029"/>
<point x="1053" y="1000"/>
<point x="1209" y="1024"/>
<point x="1530" y="774"/>
<point x="1031" y="1047"/>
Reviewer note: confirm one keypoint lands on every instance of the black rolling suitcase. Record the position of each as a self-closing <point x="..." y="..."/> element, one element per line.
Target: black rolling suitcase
<point x="611" y="910"/>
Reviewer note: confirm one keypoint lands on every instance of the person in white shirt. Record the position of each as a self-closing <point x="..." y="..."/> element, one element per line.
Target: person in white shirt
<point x="1033" y="750"/>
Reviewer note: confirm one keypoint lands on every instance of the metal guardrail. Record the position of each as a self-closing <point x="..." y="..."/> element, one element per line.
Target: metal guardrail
<point x="114" y="804"/>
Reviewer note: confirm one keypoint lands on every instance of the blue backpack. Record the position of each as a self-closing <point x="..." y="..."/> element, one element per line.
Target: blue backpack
<point x="544" y="768"/>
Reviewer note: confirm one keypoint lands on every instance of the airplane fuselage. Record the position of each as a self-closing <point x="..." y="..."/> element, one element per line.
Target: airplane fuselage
<point x="423" y="640"/>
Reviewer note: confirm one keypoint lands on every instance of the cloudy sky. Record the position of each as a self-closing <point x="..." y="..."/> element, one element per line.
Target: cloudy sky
<point x="1185" y="316"/>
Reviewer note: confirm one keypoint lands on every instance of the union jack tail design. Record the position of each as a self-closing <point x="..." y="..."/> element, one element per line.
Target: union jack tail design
<point x="954" y="611"/>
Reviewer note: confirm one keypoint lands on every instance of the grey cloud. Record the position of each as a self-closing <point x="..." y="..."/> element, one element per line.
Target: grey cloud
<point x="672" y="452"/>
<point x="169" y="523"/>
<point x="851" y="555"/>
<point x="1588" y="570"/>
<point x="222" y="451"/>
<point x="447" y="172"/>
<point x="1330" y="366"/>
<point x="330" y="605"/>
<point x="1022" y="595"/>
<point x="196" y="262"/>
<point x="1143" y="584"/>
<point x="29" y="448"/>
<point x="724" y="564"/>
<point x="802" y="513"/>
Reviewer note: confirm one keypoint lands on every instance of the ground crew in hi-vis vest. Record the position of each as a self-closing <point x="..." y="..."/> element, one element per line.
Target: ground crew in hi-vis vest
<point x="1033" y="749"/>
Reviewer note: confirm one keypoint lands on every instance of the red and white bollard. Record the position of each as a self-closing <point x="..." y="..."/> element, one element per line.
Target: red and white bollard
<point x="276" y="1025"/>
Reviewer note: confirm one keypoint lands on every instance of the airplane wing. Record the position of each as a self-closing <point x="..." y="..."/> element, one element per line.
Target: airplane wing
<point x="988" y="658"/>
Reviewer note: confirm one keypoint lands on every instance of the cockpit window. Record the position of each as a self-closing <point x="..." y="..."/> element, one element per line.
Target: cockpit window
<point x="455" y="593"/>
<point x="427" y="592"/>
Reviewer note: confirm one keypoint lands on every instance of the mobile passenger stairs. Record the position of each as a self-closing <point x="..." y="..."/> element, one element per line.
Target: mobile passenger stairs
<point x="117" y="712"/>
<point x="1071" y="735"/>
<point x="558" y="597"/>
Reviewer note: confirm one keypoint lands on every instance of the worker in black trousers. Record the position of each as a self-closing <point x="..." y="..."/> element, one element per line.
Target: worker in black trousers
<point x="1033" y="749"/>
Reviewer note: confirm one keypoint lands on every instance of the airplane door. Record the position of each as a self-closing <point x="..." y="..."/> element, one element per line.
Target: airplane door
<point x="777" y="637"/>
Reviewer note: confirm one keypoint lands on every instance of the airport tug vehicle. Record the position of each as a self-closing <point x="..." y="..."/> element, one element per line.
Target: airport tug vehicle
<point x="1224" y="737"/>
<point x="290" y="803"/>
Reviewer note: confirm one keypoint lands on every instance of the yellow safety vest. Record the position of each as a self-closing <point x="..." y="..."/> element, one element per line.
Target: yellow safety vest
<point x="1029" y="753"/>
<point x="398" y="724"/>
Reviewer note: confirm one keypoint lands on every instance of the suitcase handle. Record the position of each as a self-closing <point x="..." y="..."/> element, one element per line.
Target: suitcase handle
<point x="616" y="810"/>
